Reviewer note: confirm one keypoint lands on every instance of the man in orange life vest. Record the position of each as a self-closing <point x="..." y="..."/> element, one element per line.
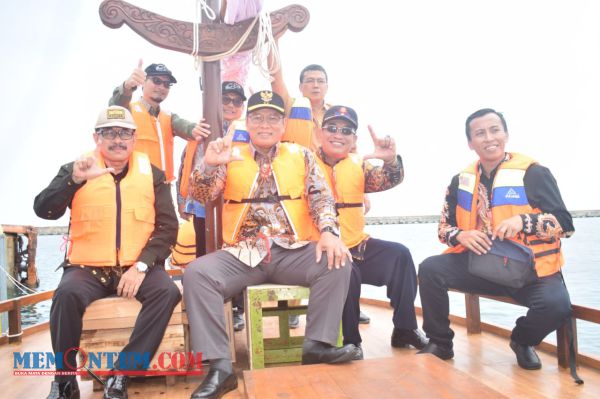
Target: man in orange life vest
<point x="276" y="201"/>
<point x="155" y="126"/>
<point x="375" y="262"/>
<point x="505" y="196"/>
<point x="121" y="229"/>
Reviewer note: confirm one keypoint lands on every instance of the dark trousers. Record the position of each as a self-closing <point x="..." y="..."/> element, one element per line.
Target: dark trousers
<point x="547" y="299"/>
<point x="78" y="288"/>
<point x="200" y="231"/>
<point x="385" y="263"/>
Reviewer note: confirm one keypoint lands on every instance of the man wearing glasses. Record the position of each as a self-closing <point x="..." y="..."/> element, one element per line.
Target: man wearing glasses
<point x="156" y="127"/>
<point x="121" y="229"/>
<point x="276" y="202"/>
<point x="376" y="262"/>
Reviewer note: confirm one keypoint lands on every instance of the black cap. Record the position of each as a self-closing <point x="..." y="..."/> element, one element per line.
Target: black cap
<point x="341" y="112"/>
<point x="230" y="86"/>
<point x="159" y="69"/>
<point x="266" y="99"/>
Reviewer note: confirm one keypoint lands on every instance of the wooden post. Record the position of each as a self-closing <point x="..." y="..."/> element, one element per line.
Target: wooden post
<point x="563" y="348"/>
<point x="14" y="323"/>
<point x="32" y="278"/>
<point x="473" y="314"/>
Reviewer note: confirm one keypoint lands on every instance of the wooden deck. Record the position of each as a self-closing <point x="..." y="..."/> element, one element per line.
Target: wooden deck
<point x="484" y="357"/>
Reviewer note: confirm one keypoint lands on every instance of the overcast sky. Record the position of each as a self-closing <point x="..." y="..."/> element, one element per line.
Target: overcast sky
<point x="411" y="69"/>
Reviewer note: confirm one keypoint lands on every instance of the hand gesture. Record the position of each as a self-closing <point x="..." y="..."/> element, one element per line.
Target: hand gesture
<point x="475" y="240"/>
<point x="335" y="248"/>
<point x="384" y="148"/>
<point x="508" y="228"/>
<point x="221" y="152"/>
<point x="130" y="282"/>
<point x="137" y="78"/>
<point x="86" y="168"/>
<point x="201" y="130"/>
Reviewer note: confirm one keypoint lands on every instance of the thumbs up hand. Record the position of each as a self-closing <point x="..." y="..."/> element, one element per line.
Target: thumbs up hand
<point x="137" y="78"/>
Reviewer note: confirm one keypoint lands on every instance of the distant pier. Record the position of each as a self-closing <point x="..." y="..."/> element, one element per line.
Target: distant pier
<point x="371" y="220"/>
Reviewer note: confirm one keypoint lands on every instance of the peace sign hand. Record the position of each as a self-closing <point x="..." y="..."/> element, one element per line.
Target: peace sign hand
<point x="86" y="168"/>
<point x="221" y="152"/>
<point x="384" y="148"/>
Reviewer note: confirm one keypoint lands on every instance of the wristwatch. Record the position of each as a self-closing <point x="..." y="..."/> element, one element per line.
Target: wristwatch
<point x="331" y="230"/>
<point x="141" y="267"/>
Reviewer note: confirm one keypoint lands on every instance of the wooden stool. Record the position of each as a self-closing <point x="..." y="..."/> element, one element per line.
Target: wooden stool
<point x="284" y="349"/>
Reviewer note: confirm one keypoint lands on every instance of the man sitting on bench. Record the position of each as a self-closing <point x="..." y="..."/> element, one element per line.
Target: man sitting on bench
<point x="275" y="197"/>
<point x="122" y="226"/>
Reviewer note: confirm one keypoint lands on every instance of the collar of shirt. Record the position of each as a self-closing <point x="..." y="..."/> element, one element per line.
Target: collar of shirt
<point x="273" y="152"/>
<point x="154" y="111"/>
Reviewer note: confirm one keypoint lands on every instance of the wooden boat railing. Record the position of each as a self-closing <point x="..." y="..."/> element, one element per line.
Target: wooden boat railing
<point x="472" y="321"/>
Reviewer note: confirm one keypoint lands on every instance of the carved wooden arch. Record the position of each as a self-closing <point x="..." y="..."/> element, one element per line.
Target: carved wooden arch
<point x="177" y="35"/>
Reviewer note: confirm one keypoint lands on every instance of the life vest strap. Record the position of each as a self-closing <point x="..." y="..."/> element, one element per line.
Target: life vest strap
<point x="272" y="199"/>
<point x="349" y="205"/>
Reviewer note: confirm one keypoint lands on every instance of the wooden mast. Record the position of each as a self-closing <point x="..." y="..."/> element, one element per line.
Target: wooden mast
<point x="213" y="38"/>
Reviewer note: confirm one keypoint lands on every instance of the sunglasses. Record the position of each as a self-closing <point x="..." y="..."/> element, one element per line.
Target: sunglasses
<point x="166" y="83"/>
<point x="346" y="131"/>
<point x="111" y="134"/>
<point x="237" y="102"/>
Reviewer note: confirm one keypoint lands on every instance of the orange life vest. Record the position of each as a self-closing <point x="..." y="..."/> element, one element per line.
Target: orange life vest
<point x="242" y="176"/>
<point x="300" y="128"/>
<point x="100" y="205"/>
<point x="154" y="136"/>
<point x="184" y="250"/>
<point x="508" y="199"/>
<point x="347" y="181"/>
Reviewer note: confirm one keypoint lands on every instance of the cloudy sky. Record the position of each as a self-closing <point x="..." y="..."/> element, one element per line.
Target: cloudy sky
<point x="411" y="69"/>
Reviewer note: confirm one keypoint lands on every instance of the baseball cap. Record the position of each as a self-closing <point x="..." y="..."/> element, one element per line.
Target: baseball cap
<point x="341" y="112"/>
<point x="266" y="99"/>
<point x="159" y="69"/>
<point x="115" y="115"/>
<point x="230" y="86"/>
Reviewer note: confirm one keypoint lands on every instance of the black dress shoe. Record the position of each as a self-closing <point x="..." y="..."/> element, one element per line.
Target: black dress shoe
<point x="442" y="351"/>
<point x="216" y="384"/>
<point x="363" y="318"/>
<point x="329" y="354"/>
<point x="116" y="387"/>
<point x="238" y="321"/>
<point x="526" y="356"/>
<point x="64" y="390"/>
<point x="358" y="354"/>
<point x="403" y="338"/>
<point x="293" y="321"/>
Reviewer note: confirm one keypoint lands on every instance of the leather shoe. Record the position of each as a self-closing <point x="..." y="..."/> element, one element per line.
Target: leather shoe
<point x="442" y="351"/>
<point x="216" y="384"/>
<point x="526" y="356"/>
<point x="329" y="354"/>
<point x="363" y="318"/>
<point x="403" y="338"/>
<point x="358" y="353"/>
<point x="116" y="387"/>
<point x="293" y="321"/>
<point x="64" y="390"/>
<point x="238" y="321"/>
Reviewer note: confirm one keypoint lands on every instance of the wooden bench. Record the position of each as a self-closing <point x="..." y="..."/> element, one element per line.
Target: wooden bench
<point x="108" y="324"/>
<point x="473" y="322"/>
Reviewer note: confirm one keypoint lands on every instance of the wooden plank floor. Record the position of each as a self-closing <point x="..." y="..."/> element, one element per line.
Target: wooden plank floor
<point x="485" y="357"/>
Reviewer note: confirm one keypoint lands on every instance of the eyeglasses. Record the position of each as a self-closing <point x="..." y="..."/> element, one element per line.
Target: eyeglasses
<point x="312" y="81"/>
<point x="111" y="134"/>
<point x="237" y="102"/>
<point x="166" y="83"/>
<point x="333" y="129"/>
<point x="259" y="119"/>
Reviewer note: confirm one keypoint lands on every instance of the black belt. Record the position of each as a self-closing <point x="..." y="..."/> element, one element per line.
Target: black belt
<point x="272" y="199"/>
<point x="349" y="205"/>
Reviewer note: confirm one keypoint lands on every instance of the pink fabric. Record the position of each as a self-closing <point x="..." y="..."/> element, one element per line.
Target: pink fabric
<point x="236" y="66"/>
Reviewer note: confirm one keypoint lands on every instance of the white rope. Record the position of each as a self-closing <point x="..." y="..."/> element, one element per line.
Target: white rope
<point x="210" y="14"/>
<point x="265" y="44"/>
<point x="18" y="284"/>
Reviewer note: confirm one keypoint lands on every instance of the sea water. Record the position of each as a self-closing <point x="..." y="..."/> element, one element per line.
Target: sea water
<point x="581" y="273"/>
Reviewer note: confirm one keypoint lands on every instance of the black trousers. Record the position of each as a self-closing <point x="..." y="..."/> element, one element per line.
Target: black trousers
<point x="547" y="299"/>
<point x="199" y="229"/>
<point x="385" y="263"/>
<point x="78" y="288"/>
